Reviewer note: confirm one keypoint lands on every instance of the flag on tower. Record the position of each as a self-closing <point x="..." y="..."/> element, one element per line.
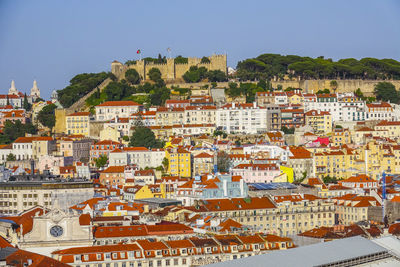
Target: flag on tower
<point x="138" y="51"/>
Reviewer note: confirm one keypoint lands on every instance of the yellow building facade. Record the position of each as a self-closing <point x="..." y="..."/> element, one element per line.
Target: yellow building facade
<point x="78" y="123"/>
<point x="320" y="121"/>
<point x="179" y="162"/>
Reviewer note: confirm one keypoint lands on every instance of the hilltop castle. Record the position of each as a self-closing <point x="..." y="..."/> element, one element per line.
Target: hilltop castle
<point x="170" y="71"/>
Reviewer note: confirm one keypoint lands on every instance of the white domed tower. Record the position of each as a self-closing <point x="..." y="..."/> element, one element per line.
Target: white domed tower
<point x="12" y="90"/>
<point x="35" y="92"/>
<point x="54" y="95"/>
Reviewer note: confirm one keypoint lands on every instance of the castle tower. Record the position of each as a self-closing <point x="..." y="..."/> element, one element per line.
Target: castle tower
<point x="117" y="68"/>
<point x="35" y="92"/>
<point x="170" y="69"/>
<point x="12" y="90"/>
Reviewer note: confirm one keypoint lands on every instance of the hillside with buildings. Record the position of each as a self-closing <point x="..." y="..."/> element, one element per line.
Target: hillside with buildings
<point x="143" y="172"/>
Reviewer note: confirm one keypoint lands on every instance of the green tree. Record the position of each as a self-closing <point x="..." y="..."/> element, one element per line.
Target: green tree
<point x="219" y="132"/>
<point x="334" y="85"/>
<point x="195" y="74"/>
<point x="328" y="179"/>
<point x="359" y="93"/>
<point x="223" y="162"/>
<point x="47" y="116"/>
<point x="386" y="91"/>
<point x="159" y="96"/>
<point x="11" y="157"/>
<point x="144" y="137"/>
<point x="154" y="74"/>
<point x="79" y="86"/>
<point x="181" y="60"/>
<point x="27" y="105"/>
<point x="132" y="76"/>
<point x="165" y="163"/>
<point x="205" y="60"/>
<point x="13" y="130"/>
<point x="286" y="130"/>
<point x="325" y="91"/>
<point x="216" y="76"/>
<point x="117" y="91"/>
<point x="101" y="161"/>
<point x="262" y="84"/>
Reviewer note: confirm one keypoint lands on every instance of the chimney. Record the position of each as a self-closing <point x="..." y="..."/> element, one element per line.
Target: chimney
<point x="233" y="104"/>
<point x="254" y="104"/>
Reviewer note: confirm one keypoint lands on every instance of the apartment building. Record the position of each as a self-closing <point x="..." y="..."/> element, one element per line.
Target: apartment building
<point x="203" y="163"/>
<point x="257" y="173"/>
<point x="140" y="156"/>
<point x="242" y="118"/>
<point x="78" y="123"/>
<point x="379" y="111"/>
<point x="20" y="195"/>
<point x="353" y="208"/>
<point x="112" y="109"/>
<point x="282" y="215"/>
<point x="194" y="251"/>
<point x="320" y="121"/>
<point x="170" y="116"/>
<point x="179" y="162"/>
<point x="200" y="114"/>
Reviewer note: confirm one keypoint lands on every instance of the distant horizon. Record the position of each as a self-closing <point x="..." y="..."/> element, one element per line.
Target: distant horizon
<point x="54" y="41"/>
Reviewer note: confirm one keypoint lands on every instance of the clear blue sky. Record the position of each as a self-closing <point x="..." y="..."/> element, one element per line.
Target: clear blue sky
<point x="52" y="41"/>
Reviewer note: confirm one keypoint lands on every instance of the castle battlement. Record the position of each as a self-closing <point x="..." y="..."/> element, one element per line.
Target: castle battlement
<point x="170" y="70"/>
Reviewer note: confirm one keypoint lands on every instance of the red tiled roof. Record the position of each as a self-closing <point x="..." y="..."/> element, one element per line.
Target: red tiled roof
<point x="21" y="258"/>
<point x="118" y="104"/>
<point x="79" y="114"/>
<point x="114" y="169"/>
<point x="203" y="155"/>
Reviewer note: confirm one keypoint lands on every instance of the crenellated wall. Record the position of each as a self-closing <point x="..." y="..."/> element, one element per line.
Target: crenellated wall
<point x="366" y="86"/>
<point x="170" y="71"/>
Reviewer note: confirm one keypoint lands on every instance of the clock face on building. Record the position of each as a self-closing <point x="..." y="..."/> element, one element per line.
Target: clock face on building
<point x="56" y="231"/>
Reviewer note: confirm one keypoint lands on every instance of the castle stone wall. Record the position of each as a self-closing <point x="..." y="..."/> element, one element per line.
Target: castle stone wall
<point x="366" y="86"/>
<point x="169" y="71"/>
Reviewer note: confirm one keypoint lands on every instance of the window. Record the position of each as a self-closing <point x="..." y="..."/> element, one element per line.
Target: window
<point x="158" y="263"/>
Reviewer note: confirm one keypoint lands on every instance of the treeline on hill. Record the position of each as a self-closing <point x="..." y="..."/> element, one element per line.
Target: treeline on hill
<point x="79" y="86"/>
<point x="267" y="66"/>
<point x="154" y="93"/>
<point x="162" y="60"/>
